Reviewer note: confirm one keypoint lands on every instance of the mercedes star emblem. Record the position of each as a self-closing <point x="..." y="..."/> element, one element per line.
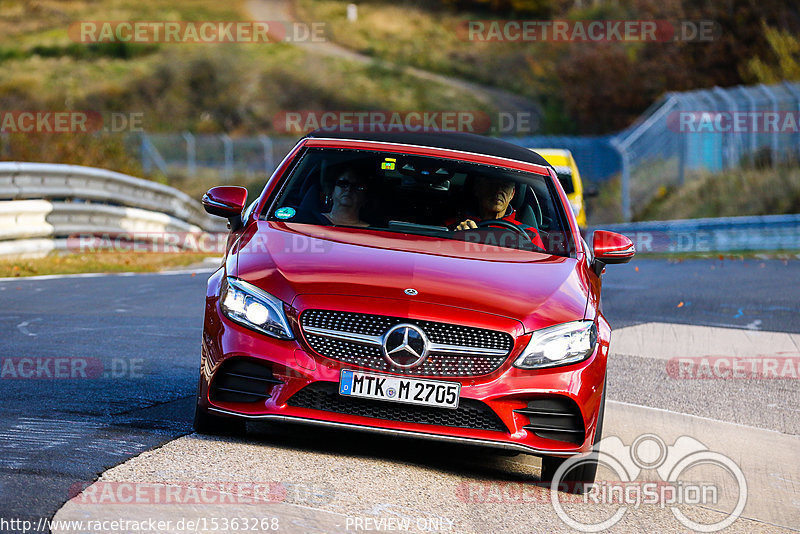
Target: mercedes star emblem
<point x="405" y="346"/>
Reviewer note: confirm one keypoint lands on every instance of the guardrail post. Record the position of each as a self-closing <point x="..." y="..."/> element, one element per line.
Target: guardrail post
<point x="626" y="187"/>
<point x="683" y="137"/>
<point x="153" y="156"/>
<point x="752" y="101"/>
<point x="191" y="154"/>
<point x="227" y="144"/>
<point x="5" y="146"/>
<point x="774" y="138"/>
<point x="147" y="164"/>
<point x="793" y="90"/>
<point x="352" y="12"/>
<point x="269" y="162"/>
<point x="625" y="179"/>
<point x="682" y="141"/>
<point x="732" y="152"/>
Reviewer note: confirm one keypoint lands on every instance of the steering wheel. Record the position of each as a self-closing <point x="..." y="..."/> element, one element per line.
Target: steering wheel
<point x="504" y="224"/>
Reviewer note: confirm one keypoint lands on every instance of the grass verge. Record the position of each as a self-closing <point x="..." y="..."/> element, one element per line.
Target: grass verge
<point x="731" y="193"/>
<point x="738" y="192"/>
<point x="100" y="262"/>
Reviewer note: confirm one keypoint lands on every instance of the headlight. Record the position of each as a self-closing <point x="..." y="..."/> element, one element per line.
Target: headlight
<point x="254" y="308"/>
<point x="561" y="344"/>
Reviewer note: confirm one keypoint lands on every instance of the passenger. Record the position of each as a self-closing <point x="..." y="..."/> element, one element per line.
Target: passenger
<point x="348" y="197"/>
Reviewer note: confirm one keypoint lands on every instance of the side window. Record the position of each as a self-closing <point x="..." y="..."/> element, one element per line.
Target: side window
<point x="549" y="213"/>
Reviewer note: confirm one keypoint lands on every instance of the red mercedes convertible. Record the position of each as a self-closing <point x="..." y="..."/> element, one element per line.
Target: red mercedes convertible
<point x="432" y="285"/>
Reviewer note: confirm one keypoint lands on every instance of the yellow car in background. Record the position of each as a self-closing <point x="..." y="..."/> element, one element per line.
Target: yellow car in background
<point x="570" y="178"/>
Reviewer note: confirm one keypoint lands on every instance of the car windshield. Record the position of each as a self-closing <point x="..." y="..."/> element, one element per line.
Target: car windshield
<point x="421" y="195"/>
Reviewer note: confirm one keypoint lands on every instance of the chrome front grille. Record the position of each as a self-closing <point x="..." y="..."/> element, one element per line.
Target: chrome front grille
<point x="357" y="338"/>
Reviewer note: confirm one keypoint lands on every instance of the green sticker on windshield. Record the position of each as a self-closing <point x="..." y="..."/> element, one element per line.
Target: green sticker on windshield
<point x="285" y="213"/>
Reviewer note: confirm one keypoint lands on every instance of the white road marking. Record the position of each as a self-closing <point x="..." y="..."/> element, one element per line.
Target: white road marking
<point x="665" y="341"/>
<point x="23" y="327"/>
<point x="700" y="417"/>
<point x="741" y="443"/>
<point x="773" y="405"/>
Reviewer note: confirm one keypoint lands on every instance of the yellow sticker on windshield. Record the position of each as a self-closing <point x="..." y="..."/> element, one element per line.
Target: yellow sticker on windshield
<point x="388" y="164"/>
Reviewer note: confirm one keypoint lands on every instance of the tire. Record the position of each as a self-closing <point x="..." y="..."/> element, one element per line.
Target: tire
<point x="578" y="479"/>
<point x="205" y="423"/>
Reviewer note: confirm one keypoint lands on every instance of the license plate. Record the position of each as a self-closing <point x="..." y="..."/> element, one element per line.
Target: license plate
<point x="399" y="389"/>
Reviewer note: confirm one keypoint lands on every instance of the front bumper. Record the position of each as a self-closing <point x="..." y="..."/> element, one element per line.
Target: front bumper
<point x="505" y="392"/>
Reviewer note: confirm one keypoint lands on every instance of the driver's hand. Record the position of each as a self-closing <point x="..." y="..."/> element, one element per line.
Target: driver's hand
<point x="466" y="225"/>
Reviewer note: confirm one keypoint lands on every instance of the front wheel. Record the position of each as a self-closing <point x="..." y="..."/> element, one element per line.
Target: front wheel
<point x="205" y="423"/>
<point x="580" y="477"/>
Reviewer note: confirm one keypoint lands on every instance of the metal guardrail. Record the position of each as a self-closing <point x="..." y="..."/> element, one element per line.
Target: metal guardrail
<point x="724" y="234"/>
<point x="23" y="219"/>
<point x="42" y="204"/>
<point x="56" y="181"/>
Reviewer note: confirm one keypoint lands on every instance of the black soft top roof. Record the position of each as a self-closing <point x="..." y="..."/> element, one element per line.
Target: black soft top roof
<point x="464" y="142"/>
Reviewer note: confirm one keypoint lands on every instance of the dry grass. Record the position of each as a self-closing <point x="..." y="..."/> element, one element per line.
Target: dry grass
<point x="101" y="262"/>
<point x="404" y="33"/>
<point x="46" y="21"/>
<point x="238" y="89"/>
<point x="731" y="193"/>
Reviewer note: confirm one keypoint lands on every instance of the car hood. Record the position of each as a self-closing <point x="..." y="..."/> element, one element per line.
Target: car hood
<point x="288" y="260"/>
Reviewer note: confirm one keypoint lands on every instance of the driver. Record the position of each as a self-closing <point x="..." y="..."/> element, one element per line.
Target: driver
<point x="494" y="197"/>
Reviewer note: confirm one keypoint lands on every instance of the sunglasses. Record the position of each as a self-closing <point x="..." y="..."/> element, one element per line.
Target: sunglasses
<point x="346" y="184"/>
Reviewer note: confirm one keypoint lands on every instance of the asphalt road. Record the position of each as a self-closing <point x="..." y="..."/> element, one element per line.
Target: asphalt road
<point x="752" y="293"/>
<point x="139" y="338"/>
<point x="136" y="339"/>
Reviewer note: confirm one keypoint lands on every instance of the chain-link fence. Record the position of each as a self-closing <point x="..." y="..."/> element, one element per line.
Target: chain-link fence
<point x="684" y="133"/>
<point x="681" y="134"/>
<point x="187" y="154"/>
<point x="709" y="130"/>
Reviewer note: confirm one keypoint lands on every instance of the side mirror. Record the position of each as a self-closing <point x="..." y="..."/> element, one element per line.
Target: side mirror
<point x="226" y="201"/>
<point x="610" y="248"/>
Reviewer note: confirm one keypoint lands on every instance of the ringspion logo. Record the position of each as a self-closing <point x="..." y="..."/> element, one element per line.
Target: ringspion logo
<point x="673" y="489"/>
